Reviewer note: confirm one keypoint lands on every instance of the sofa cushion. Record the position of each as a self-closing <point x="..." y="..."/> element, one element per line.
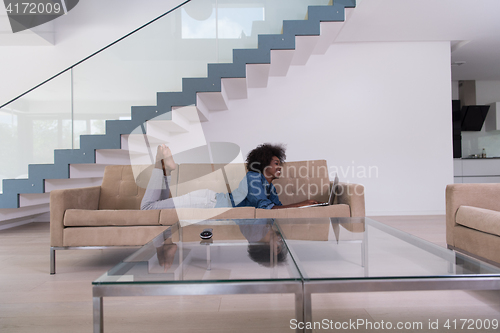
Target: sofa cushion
<point x="123" y="186"/>
<point x="310" y="212"/>
<point x="299" y="181"/>
<point x="93" y="218"/>
<point x="209" y="176"/>
<point x="110" y="236"/>
<point x="191" y="233"/>
<point x="304" y="231"/>
<point x="303" y="180"/>
<point x="481" y="219"/>
<point x="170" y="216"/>
<point x="308" y="229"/>
<point x="477" y="243"/>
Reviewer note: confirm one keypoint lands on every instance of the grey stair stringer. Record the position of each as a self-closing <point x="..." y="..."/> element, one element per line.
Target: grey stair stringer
<point x="167" y="100"/>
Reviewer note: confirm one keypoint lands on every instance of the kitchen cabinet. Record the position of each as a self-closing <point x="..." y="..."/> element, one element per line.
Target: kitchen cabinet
<point x="476" y="170"/>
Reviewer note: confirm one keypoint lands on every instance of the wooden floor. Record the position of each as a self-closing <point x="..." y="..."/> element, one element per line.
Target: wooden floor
<point x="32" y="301"/>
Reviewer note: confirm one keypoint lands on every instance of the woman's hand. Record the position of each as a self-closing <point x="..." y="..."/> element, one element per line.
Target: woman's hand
<point x="307" y="203"/>
<point x="299" y="204"/>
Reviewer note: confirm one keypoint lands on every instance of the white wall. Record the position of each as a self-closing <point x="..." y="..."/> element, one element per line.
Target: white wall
<point x="487" y="92"/>
<point x="90" y="26"/>
<point x="384" y="106"/>
<point x="454" y="90"/>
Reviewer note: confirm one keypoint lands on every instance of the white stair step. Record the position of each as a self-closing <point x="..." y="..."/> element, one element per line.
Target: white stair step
<point x="141" y="144"/>
<point x="202" y="108"/>
<point x="159" y="131"/>
<point x="329" y="33"/>
<point x="169" y="126"/>
<point x="191" y="113"/>
<point x="113" y="157"/>
<point x="212" y="101"/>
<point x="304" y="46"/>
<point x="280" y="62"/>
<point x="203" y="112"/>
<point x="179" y="118"/>
<point x="348" y="13"/>
<point x="257" y="75"/>
<point x="33" y="199"/>
<point x="235" y="88"/>
<point x="194" y="135"/>
<point x="57" y="184"/>
<point x="86" y="170"/>
<point x="141" y="148"/>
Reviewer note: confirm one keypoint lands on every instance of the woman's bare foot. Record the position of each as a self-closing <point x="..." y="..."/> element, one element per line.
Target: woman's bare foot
<point x="164" y="159"/>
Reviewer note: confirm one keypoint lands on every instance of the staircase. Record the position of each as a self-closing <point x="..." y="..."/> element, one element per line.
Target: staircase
<point x="177" y="115"/>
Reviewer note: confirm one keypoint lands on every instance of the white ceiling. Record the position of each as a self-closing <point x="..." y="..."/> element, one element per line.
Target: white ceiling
<point x="476" y="22"/>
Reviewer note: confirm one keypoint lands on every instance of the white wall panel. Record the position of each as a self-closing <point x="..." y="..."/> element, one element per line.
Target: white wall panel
<point x="379" y="113"/>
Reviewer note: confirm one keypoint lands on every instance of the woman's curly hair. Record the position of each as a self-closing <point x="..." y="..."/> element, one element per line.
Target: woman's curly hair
<point x="259" y="158"/>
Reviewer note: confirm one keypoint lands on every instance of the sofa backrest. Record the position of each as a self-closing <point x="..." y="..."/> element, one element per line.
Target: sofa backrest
<point x="299" y="181"/>
<point x="123" y="186"/>
<point x="303" y="180"/>
<point x="209" y="176"/>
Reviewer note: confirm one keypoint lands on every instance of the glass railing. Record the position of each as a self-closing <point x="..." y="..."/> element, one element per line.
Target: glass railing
<point x="130" y="72"/>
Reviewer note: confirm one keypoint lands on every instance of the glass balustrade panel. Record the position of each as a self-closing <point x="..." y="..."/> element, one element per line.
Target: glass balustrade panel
<point x="131" y="72"/>
<point x="239" y="22"/>
<point x="179" y="45"/>
<point x="33" y="126"/>
<point x="154" y="59"/>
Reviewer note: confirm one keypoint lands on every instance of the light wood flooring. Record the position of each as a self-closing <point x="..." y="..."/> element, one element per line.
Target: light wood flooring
<point x="32" y="300"/>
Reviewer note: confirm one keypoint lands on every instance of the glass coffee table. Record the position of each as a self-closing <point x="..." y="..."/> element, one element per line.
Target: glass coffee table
<point x="299" y="256"/>
<point x="212" y="257"/>
<point x="363" y="255"/>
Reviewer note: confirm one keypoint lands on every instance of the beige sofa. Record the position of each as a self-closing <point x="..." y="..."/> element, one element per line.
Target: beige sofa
<point x="110" y="215"/>
<point x="473" y="220"/>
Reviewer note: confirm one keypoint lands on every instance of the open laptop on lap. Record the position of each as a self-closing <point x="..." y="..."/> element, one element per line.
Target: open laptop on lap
<point x="333" y="194"/>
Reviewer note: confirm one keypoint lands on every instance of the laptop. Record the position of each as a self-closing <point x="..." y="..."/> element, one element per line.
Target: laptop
<point x="333" y="194"/>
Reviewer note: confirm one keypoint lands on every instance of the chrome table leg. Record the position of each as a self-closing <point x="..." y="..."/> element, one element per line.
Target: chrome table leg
<point x="98" y="315"/>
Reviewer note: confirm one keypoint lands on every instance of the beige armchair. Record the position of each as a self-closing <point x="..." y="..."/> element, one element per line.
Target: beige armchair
<point x="473" y="220"/>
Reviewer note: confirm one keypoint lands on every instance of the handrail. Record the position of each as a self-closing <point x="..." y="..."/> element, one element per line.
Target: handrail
<point x="99" y="51"/>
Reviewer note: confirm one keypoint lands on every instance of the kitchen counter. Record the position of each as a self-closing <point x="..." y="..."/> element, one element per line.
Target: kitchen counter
<point x="479" y="158"/>
<point x="476" y="170"/>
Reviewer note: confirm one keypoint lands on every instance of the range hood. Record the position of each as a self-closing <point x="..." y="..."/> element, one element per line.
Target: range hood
<point x="472" y="116"/>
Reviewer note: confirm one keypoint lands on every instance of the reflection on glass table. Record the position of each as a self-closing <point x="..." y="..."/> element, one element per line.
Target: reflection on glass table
<point x="239" y="250"/>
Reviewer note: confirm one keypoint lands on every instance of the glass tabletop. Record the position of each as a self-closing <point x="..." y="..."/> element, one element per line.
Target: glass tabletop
<point x="354" y="248"/>
<point x="301" y="249"/>
<point x="209" y="251"/>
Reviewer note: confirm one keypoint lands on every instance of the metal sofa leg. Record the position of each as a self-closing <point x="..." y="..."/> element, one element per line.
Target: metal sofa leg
<point x="52" y="260"/>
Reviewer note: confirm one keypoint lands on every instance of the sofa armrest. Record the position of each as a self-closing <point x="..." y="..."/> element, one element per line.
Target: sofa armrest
<point x="354" y="196"/>
<point x="485" y="196"/>
<point x="62" y="200"/>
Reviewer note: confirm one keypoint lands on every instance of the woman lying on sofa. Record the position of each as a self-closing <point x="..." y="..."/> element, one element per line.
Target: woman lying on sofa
<point x="255" y="190"/>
